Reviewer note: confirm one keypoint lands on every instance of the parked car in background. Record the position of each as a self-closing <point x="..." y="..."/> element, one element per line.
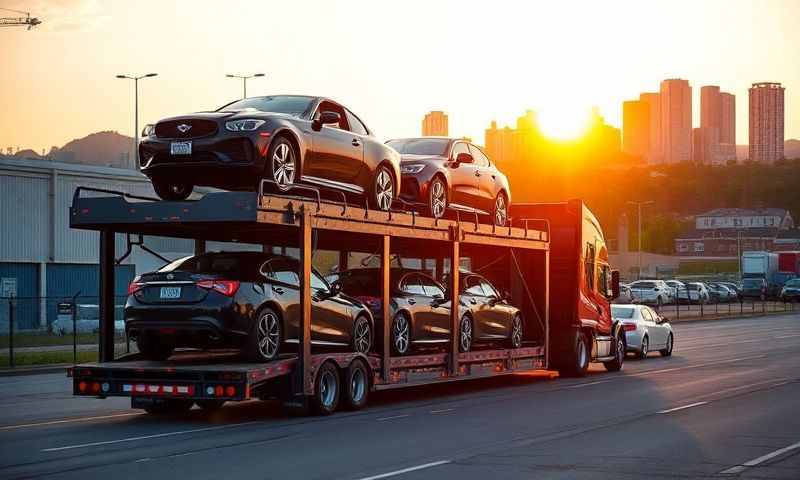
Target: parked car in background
<point x="675" y="286"/>
<point x="695" y="292"/>
<point x="625" y="295"/>
<point x="754" y="288"/>
<point x="284" y="138"/>
<point x="246" y="300"/>
<point x="87" y="320"/>
<point x="450" y="172"/>
<point x="720" y="293"/>
<point x="791" y="291"/>
<point x="645" y="330"/>
<point x="735" y="287"/>
<point x="651" y="292"/>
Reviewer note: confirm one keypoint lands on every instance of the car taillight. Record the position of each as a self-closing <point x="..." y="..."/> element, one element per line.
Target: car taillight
<point x="628" y="327"/>
<point x="134" y="287"/>
<point x="225" y="287"/>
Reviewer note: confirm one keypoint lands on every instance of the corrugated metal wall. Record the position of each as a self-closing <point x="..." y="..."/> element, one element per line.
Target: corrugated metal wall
<point x="26" y="314"/>
<point x="24" y="210"/>
<point x="65" y="280"/>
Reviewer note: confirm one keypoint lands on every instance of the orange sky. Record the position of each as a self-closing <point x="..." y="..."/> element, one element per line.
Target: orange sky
<point x="390" y="62"/>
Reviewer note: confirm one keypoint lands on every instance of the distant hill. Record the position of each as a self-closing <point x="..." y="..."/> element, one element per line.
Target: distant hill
<point x="103" y="148"/>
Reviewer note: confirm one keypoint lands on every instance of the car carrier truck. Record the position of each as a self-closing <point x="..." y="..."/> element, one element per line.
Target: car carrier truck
<point x="516" y="258"/>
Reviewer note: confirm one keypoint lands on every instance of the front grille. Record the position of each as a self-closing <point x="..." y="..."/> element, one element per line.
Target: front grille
<point x="198" y="128"/>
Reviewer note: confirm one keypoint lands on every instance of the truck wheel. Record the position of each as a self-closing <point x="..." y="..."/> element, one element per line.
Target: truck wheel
<point x="326" y="390"/>
<point x="575" y="363"/>
<point x="667" y="351"/>
<point x="619" y="355"/>
<point x="356" y="385"/>
<point x="153" y="348"/>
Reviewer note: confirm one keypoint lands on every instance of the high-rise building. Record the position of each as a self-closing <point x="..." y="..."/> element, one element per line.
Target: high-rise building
<point x="435" y="124"/>
<point x="676" y="120"/>
<point x="636" y="128"/>
<point x="717" y="135"/>
<point x="727" y="127"/>
<point x="654" y="106"/>
<point x="706" y="146"/>
<point x="766" y="122"/>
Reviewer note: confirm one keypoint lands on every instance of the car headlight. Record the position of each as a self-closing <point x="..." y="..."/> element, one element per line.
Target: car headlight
<point x="244" y="125"/>
<point x="148" y="130"/>
<point x="414" y="168"/>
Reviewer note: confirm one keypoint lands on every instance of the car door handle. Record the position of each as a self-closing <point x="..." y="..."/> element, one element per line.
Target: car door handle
<point x="411" y="301"/>
<point x="477" y="173"/>
<point x="473" y="301"/>
<point x="278" y="290"/>
<point x="356" y="143"/>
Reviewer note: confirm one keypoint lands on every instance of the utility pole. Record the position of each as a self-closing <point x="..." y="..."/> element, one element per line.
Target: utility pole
<point x="640" y="205"/>
<point x="244" y="81"/>
<point x="136" y="114"/>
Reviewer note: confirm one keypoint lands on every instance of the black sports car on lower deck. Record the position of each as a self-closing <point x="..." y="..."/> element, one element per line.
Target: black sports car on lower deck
<point x="420" y="309"/>
<point x="284" y="138"/>
<point x="450" y="172"/>
<point x="245" y="300"/>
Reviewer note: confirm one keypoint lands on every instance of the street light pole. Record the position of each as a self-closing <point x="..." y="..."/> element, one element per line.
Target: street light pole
<point x="136" y="113"/>
<point x="244" y="81"/>
<point x="640" y="205"/>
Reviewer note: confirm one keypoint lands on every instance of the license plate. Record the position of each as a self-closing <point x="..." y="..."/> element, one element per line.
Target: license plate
<point x="180" y="148"/>
<point x="170" y="292"/>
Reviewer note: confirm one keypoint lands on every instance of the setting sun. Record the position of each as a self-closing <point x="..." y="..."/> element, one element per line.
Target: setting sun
<point x="561" y="123"/>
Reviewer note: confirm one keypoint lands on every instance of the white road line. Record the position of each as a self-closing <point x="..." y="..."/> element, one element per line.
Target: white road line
<point x="722" y="344"/>
<point x="665" y="370"/>
<point x="787" y="336"/>
<point x="69" y="420"/>
<point x="442" y="411"/>
<point x="393" y="417"/>
<point x="683" y="407"/>
<point x="581" y="385"/>
<point x="759" y="460"/>
<point x="406" y="470"/>
<point x="145" y="437"/>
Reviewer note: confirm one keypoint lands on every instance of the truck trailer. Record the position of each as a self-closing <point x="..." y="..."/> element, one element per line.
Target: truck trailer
<point x="516" y="257"/>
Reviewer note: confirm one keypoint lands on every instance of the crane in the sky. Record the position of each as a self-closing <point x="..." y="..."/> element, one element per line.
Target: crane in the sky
<point x="19" y="21"/>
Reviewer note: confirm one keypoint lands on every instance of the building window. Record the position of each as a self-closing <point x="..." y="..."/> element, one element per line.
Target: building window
<point x="683" y="247"/>
<point x="699" y="247"/>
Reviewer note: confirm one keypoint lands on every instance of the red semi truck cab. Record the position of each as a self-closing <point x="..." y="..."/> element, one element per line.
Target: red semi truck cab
<point x="582" y="285"/>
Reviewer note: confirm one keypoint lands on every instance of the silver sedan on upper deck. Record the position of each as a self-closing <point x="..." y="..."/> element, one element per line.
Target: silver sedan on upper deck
<point x="645" y="330"/>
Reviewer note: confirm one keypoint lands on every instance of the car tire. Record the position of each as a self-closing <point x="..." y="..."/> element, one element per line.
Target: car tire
<point x="356" y="385"/>
<point x="362" y="335"/>
<point x="517" y="332"/>
<point x="382" y="192"/>
<point x="465" y="331"/>
<point x="645" y="348"/>
<point x="153" y="348"/>
<point x="575" y="360"/>
<point x="667" y="351"/>
<point x="210" y="405"/>
<point x="282" y="163"/>
<point x="172" y="191"/>
<point x="401" y="334"/>
<point x="327" y="389"/>
<point x="266" y="336"/>
<point x="619" y="354"/>
<point x="437" y="197"/>
<point x="500" y="210"/>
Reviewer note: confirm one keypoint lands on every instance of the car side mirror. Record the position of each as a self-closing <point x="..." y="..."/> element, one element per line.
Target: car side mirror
<point x="325" y="118"/>
<point x="614" y="283"/>
<point x="506" y="296"/>
<point x="463" y="157"/>
<point x="336" y="289"/>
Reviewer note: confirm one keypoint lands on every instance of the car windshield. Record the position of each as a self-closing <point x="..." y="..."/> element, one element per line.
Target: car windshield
<point x="292" y="105"/>
<point x="752" y="282"/>
<point x="622" y="312"/>
<point x="420" y="146"/>
<point x="643" y="285"/>
<point x="693" y="286"/>
<point x="365" y="283"/>
<point x="793" y="283"/>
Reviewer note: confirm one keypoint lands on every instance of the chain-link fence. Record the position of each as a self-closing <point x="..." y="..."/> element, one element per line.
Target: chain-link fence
<point x="51" y="330"/>
<point x="686" y="310"/>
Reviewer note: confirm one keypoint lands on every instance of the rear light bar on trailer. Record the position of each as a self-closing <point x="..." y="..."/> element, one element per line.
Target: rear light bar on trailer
<point x="225" y="287"/>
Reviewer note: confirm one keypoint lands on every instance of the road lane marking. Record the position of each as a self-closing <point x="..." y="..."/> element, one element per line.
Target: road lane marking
<point x="665" y="370"/>
<point x="683" y="407"/>
<point x="580" y="385"/>
<point x="722" y="344"/>
<point x="406" y="470"/>
<point x="445" y="410"/>
<point x="787" y="336"/>
<point x="393" y="417"/>
<point x="69" y="420"/>
<point x="145" y="437"/>
<point x="757" y="461"/>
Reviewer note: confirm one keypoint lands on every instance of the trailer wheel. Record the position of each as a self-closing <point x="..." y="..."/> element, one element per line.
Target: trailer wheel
<point x="575" y="362"/>
<point x="210" y="405"/>
<point x="326" y="390"/>
<point x="356" y="385"/>
<point x="619" y="355"/>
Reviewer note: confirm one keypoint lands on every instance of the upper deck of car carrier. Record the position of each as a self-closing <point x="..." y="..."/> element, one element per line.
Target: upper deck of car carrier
<point x="303" y="219"/>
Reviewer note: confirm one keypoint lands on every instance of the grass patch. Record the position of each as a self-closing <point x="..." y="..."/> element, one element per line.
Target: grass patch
<point x="45" y="358"/>
<point x="37" y="339"/>
<point x="708" y="267"/>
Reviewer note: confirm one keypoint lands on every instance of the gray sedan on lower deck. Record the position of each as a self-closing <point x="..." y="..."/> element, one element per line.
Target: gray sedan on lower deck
<point x="645" y="330"/>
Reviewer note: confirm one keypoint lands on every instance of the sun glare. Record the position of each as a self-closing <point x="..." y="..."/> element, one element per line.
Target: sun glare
<point x="563" y="123"/>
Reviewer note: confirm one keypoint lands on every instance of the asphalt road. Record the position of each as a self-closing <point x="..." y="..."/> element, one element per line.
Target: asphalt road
<point x="724" y="405"/>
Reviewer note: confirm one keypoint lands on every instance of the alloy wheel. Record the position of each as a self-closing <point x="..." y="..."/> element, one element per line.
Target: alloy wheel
<point x="500" y="211"/>
<point x="269" y="334"/>
<point x="401" y="334"/>
<point x="283" y="166"/>
<point x="645" y="347"/>
<point x="466" y="334"/>
<point x="362" y="339"/>
<point x="384" y="189"/>
<point x="438" y="202"/>
<point x="328" y="388"/>
<point x="516" y="332"/>
<point x="358" y="385"/>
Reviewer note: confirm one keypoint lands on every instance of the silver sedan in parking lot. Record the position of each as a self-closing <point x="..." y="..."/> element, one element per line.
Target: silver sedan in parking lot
<point x="645" y="330"/>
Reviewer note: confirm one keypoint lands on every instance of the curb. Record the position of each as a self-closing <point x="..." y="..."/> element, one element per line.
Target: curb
<point x="35" y="370"/>
<point x="729" y="317"/>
